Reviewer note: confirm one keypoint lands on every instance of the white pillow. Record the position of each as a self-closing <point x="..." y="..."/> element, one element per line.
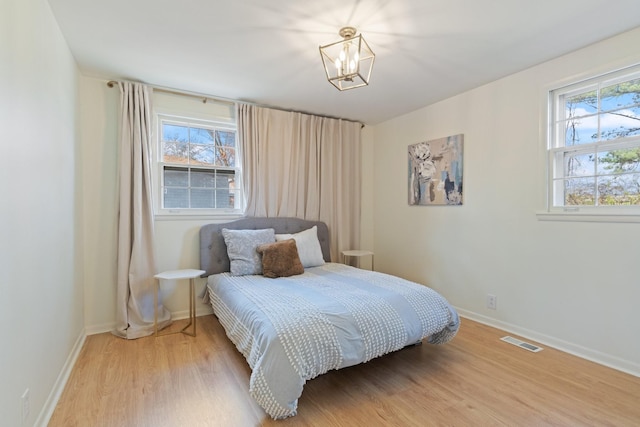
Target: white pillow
<point x="308" y="245"/>
<point x="241" y="248"/>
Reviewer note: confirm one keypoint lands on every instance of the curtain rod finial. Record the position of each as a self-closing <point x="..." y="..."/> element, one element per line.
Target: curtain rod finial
<point x="111" y="83"/>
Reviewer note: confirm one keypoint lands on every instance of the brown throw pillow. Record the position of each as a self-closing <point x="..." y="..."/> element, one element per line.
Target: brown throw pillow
<point x="280" y="259"/>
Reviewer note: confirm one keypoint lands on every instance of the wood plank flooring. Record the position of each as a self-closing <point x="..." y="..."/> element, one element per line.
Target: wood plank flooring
<point x="474" y="380"/>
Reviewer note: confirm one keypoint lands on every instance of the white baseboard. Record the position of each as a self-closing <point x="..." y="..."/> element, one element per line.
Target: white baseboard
<point x="61" y="382"/>
<point x="184" y="314"/>
<point x="626" y="366"/>
<point x="175" y="315"/>
<point x="99" y="329"/>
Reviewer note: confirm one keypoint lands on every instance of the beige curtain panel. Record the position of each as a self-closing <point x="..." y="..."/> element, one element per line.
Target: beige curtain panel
<point x="303" y="166"/>
<point x="136" y="257"/>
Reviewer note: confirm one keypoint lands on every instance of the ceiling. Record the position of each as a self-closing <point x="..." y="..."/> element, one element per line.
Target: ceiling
<point x="266" y="51"/>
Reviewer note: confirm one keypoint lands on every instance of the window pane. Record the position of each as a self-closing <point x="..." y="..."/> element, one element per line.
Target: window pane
<point x="225" y="157"/>
<point x="225" y="179"/>
<point x="582" y="130"/>
<point x="224" y="199"/>
<point x="201" y="154"/>
<point x="203" y="178"/>
<point x="620" y="95"/>
<point x="579" y="191"/>
<point x="579" y="164"/>
<point x="619" y="190"/>
<point x="583" y="104"/>
<point x="225" y="138"/>
<point x="620" y="124"/>
<point x="176" y="198"/>
<point x="175" y="152"/>
<point x="619" y="161"/>
<point x="175" y="133"/>
<point x="176" y="177"/>
<point x="201" y="198"/>
<point x="201" y="136"/>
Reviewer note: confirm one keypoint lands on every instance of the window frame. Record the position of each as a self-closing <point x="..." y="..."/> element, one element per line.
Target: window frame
<point x="555" y="145"/>
<point x="193" y="120"/>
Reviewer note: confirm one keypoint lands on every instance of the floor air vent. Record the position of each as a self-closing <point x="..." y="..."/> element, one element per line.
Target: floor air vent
<point x="522" y="344"/>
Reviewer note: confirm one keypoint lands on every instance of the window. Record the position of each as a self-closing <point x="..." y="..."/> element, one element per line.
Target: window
<point x="594" y="144"/>
<point x="197" y="166"/>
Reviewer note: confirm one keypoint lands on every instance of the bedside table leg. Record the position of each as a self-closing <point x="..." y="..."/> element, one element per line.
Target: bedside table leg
<point x="192" y="311"/>
<point x="192" y="306"/>
<point x="155" y="307"/>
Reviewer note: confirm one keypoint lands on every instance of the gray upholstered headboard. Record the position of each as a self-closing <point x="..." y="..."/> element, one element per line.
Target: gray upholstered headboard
<point x="213" y="250"/>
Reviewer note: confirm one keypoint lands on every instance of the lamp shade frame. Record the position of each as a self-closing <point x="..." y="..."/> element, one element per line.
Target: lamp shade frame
<point x="350" y="76"/>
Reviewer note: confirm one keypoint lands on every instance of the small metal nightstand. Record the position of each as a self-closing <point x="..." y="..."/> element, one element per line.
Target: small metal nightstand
<point x="178" y="275"/>
<point x="358" y="254"/>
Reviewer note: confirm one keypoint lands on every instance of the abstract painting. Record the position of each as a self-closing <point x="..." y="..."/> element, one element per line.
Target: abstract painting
<point x="435" y="171"/>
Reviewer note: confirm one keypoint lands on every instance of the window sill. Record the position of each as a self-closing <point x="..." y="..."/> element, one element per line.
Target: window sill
<point x="588" y="217"/>
<point x="223" y="216"/>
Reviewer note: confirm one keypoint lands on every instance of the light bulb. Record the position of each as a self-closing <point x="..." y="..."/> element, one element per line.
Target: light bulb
<point x="338" y="65"/>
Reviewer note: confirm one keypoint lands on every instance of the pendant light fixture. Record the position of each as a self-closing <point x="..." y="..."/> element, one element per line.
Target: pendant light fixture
<point x="348" y="63"/>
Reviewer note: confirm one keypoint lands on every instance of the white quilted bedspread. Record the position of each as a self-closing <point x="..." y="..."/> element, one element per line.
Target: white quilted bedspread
<point x="293" y="329"/>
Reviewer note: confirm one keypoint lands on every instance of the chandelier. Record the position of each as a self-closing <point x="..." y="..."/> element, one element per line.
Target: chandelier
<point x="348" y="63"/>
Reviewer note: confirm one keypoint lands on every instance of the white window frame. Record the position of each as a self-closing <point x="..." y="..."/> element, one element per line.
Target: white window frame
<point x="555" y="148"/>
<point x="192" y="213"/>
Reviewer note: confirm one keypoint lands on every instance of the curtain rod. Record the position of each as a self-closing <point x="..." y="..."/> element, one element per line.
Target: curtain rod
<point x="112" y="83"/>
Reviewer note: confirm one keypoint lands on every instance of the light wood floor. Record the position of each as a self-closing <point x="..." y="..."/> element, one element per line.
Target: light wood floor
<point x="474" y="380"/>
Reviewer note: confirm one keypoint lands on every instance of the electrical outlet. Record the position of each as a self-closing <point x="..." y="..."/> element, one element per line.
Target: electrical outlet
<point x="492" y="302"/>
<point x="25" y="406"/>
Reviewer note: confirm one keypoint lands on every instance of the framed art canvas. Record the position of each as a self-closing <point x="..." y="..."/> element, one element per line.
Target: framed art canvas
<point x="435" y="171"/>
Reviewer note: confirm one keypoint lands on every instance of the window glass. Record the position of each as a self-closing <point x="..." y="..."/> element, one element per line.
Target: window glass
<point x="594" y="146"/>
<point x="198" y="165"/>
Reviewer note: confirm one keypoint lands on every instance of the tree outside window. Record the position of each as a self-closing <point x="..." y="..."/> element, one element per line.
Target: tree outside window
<point x="595" y="142"/>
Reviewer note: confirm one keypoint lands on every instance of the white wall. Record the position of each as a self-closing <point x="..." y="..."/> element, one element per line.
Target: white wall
<point x="99" y="180"/>
<point x="574" y="285"/>
<point x="41" y="290"/>
<point x="177" y="240"/>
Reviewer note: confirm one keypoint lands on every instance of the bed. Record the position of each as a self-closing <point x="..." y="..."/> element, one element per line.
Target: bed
<point x="326" y="316"/>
